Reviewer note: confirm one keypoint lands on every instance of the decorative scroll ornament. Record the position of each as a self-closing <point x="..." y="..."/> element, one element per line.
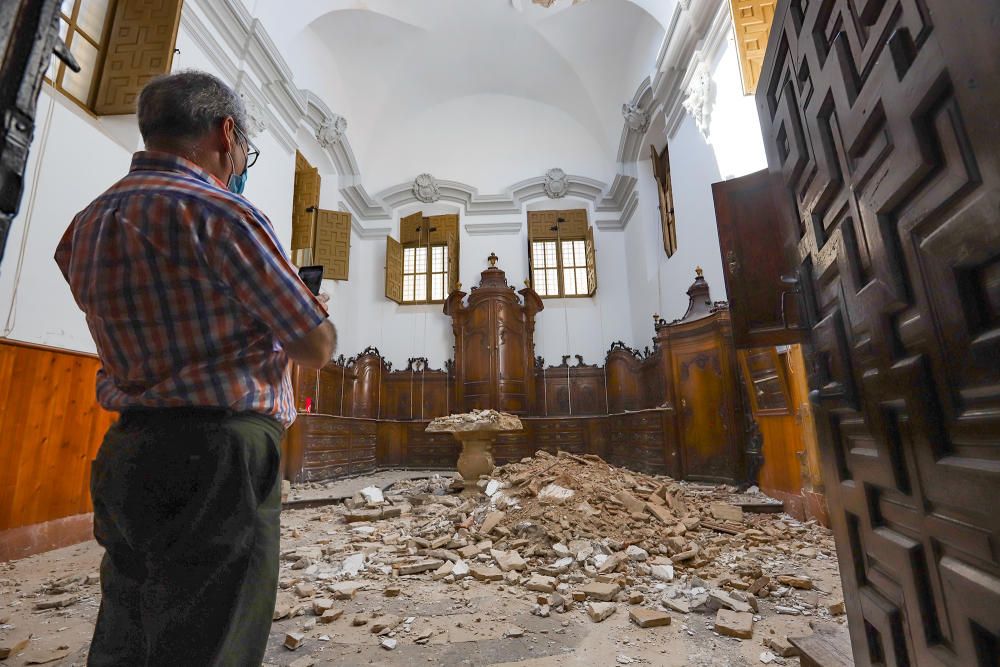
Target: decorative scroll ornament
<point x="331" y="130"/>
<point x="635" y="118"/>
<point x="425" y="189"/>
<point x="556" y="183"/>
<point x="255" y="115"/>
<point x="698" y="97"/>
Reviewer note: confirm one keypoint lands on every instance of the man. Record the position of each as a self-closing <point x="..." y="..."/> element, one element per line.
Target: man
<point x="195" y="311"/>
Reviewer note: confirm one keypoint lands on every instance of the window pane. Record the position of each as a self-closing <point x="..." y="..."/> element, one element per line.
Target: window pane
<point x="567" y="253"/>
<point x="91" y="17"/>
<point x="437" y="259"/>
<point x="552" y="278"/>
<point x="77" y="84"/>
<point x="408" y="288"/>
<point x="67" y="7"/>
<point x="409" y="259"/>
<point x="421" y="254"/>
<point x="550" y="255"/>
<point x="581" y="253"/>
<point x="538" y="278"/>
<point x="420" y="291"/>
<point x="581" y="281"/>
<point x="437" y="286"/>
<point x="569" y="281"/>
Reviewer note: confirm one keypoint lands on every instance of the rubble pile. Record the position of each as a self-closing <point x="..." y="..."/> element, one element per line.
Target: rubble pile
<point x="574" y="535"/>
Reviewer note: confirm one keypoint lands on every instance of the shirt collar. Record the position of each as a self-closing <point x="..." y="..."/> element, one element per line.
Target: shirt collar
<point x="160" y="161"/>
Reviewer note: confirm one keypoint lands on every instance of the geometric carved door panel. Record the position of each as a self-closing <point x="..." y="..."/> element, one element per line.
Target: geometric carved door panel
<point x="882" y="117"/>
<point x="333" y="243"/>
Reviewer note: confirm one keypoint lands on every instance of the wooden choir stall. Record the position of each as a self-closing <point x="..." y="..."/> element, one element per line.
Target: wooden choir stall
<point x="675" y="408"/>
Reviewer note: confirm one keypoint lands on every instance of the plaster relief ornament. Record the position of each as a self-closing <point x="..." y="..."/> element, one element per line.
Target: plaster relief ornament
<point x="255" y="115"/>
<point x="331" y="130"/>
<point x="556" y="183"/>
<point x="698" y="97"/>
<point x="425" y="189"/>
<point x="635" y="118"/>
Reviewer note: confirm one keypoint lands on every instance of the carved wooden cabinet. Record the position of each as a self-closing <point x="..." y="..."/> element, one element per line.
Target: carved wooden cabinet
<point x="494" y="344"/>
<point x="698" y="360"/>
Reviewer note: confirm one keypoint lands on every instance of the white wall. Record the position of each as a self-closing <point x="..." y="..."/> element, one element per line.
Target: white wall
<point x="583" y="326"/>
<point x="657" y="283"/>
<point x="74" y="157"/>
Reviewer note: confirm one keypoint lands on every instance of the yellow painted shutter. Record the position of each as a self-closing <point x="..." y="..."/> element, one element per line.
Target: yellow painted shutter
<point x="412" y="230"/>
<point x="752" y="22"/>
<point x="305" y="202"/>
<point x="140" y="46"/>
<point x="591" y="262"/>
<point x="333" y="243"/>
<point x="393" y="270"/>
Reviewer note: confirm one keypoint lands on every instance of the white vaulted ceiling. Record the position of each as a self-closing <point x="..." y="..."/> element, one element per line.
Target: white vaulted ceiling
<point x="442" y="85"/>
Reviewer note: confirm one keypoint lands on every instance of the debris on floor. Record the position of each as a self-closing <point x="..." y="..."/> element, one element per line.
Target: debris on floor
<point x="560" y="555"/>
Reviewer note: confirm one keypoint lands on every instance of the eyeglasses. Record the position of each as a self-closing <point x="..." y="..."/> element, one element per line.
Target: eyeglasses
<point x="252" y="151"/>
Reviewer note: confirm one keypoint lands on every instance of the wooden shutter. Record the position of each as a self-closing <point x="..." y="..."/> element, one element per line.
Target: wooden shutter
<point x="393" y="270"/>
<point x="443" y="227"/>
<point x="591" y="262"/>
<point x="452" y="242"/>
<point x="412" y="230"/>
<point x="140" y="46"/>
<point x="664" y="189"/>
<point x="544" y="224"/>
<point x="333" y="243"/>
<point x="759" y="237"/>
<point x="541" y="225"/>
<point x="305" y="203"/>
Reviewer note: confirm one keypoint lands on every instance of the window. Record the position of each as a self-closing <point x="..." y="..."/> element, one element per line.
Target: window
<point x="82" y="25"/>
<point x="561" y="252"/>
<point x="422" y="267"/>
<point x="418" y="273"/>
<point x="119" y="45"/>
<point x="668" y="221"/>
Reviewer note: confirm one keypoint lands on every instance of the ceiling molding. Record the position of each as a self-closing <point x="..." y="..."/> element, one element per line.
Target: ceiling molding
<point x="238" y="44"/>
<point x="511" y="201"/>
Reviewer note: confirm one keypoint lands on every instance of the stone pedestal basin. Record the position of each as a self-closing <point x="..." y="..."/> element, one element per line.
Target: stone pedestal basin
<point x="476" y="430"/>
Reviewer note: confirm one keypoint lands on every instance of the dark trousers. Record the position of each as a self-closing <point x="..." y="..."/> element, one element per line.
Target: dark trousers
<point x="186" y="505"/>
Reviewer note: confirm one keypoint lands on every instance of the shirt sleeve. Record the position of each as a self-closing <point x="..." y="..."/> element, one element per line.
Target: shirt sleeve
<point x="252" y="263"/>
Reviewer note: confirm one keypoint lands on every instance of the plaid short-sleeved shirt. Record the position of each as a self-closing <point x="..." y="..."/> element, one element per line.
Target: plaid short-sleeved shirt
<point x="187" y="293"/>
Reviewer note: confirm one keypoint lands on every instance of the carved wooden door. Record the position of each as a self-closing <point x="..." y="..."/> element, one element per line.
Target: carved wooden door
<point x="510" y="362"/>
<point x="701" y="398"/>
<point x="883" y="118"/>
<point x="480" y="356"/>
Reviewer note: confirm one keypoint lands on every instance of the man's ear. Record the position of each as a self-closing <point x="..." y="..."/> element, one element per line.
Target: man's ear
<point x="228" y="132"/>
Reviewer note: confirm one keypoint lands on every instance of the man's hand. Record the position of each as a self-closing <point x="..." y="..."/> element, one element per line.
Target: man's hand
<point x="323" y="298"/>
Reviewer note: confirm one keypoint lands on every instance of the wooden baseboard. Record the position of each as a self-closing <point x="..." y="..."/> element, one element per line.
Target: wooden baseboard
<point x="27" y="541"/>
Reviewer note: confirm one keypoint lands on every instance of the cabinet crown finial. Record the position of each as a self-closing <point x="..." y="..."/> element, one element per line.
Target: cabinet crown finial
<point x="698" y="271"/>
<point x="492" y="259"/>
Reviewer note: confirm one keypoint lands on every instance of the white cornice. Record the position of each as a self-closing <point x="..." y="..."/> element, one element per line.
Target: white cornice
<point x="238" y="44"/>
<point x="493" y="228"/>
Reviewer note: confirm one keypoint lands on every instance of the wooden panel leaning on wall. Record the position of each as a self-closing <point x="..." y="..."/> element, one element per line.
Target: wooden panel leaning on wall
<point x="52" y="428"/>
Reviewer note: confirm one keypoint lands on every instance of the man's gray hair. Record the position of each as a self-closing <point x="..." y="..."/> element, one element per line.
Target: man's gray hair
<point x="186" y="105"/>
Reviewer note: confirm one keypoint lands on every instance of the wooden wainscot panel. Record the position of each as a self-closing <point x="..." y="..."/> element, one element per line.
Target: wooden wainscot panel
<point x="566" y="390"/>
<point x="52" y="427"/>
<point x="644" y="441"/>
<point x="430" y="450"/>
<point x="623" y="366"/>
